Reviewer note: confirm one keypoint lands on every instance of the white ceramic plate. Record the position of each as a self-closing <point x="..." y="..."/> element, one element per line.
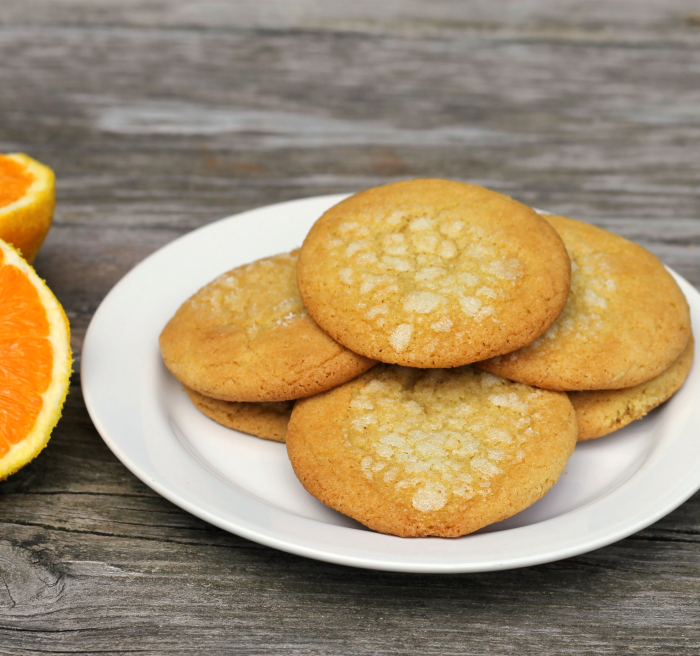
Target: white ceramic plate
<point x="612" y="487"/>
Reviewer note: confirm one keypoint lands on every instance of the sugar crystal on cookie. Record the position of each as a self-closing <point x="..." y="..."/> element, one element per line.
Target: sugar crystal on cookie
<point x="416" y="438"/>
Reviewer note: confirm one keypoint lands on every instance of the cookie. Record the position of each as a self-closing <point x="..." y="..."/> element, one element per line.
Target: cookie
<point x="266" y="419"/>
<point x="433" y="273"/>
<point x="601" y="412"/>
<point x="438" y="452"/>
<point x="625" y="322"/>
<point x="246" y="336"/>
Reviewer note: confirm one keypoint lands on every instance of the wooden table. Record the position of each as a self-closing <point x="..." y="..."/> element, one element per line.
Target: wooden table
<point x="161" y="116"/>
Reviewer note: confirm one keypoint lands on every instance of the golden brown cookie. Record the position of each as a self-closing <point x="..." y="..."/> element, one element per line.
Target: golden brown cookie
<point x="246" y="336"/>
<point x="602" y="412"/>
<point x="265" y="419"/>
<point x="433" y="273"/>
<point x="440" y="452"/>
<point x="625" y="322"/>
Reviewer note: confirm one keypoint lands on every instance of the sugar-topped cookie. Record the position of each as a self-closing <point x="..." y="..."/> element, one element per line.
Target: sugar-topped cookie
<point x="246" y="336"/>
<point x="626" y="319"/>
<point x="433" y="273"/>
<point x="439" y="452"/>
<point x="601" y="412"/>
<point x="263" y="419"/>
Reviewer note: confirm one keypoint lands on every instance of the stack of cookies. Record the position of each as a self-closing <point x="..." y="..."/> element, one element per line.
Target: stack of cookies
<point x="244" y="347"/>
<point x="433" y="352"/>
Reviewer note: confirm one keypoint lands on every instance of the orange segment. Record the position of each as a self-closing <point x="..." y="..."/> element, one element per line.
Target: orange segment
<point x="35" y="361"/>
<point x="23" y="315"/>
<point x="14" y="181"/>
<point x="27" y="363"/>
<point x="19" y="409"/>
<point x="27" y="199"/>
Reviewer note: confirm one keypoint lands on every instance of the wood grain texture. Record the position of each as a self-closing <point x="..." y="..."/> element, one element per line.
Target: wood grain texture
<point x="159" y="117"/>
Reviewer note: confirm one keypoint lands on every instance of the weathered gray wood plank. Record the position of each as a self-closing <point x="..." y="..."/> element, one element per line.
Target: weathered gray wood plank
<point x="163" y="116"/>
<point x="565" y="18"/>
<point x="235" y="598"/>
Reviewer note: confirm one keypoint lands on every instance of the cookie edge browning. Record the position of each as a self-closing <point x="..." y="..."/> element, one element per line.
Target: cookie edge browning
<point x="601" y="412"/>
<point x="324" y="313"/>
<point x="343" y="487"/>
<point x="528" y="369"/>
<point x="251" y="418"/>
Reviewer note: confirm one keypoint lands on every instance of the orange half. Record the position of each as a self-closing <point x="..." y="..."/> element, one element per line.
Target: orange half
<point x="35" y="361"/>
<point x="27" y="199"/>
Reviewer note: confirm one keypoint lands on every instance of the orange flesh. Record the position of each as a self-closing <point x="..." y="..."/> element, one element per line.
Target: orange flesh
<point x="14" y="181"/>
<point x="26" y="356"/>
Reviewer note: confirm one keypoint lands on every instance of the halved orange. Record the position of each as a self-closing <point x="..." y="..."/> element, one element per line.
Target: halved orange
<point x="27" y="199"/>
<point x="35" y="361"/>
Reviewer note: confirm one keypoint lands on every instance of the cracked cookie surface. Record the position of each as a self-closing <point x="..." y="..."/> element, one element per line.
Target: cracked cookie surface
<point x="433" y="273"/>
<point x="625" y="322"/>
<point x="439" y="452"/>
<point x="246" y="336"/>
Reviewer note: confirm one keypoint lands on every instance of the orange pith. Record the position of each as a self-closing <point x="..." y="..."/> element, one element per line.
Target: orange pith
<point x="26" y="355"/>
<point x="14" y="181"/>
